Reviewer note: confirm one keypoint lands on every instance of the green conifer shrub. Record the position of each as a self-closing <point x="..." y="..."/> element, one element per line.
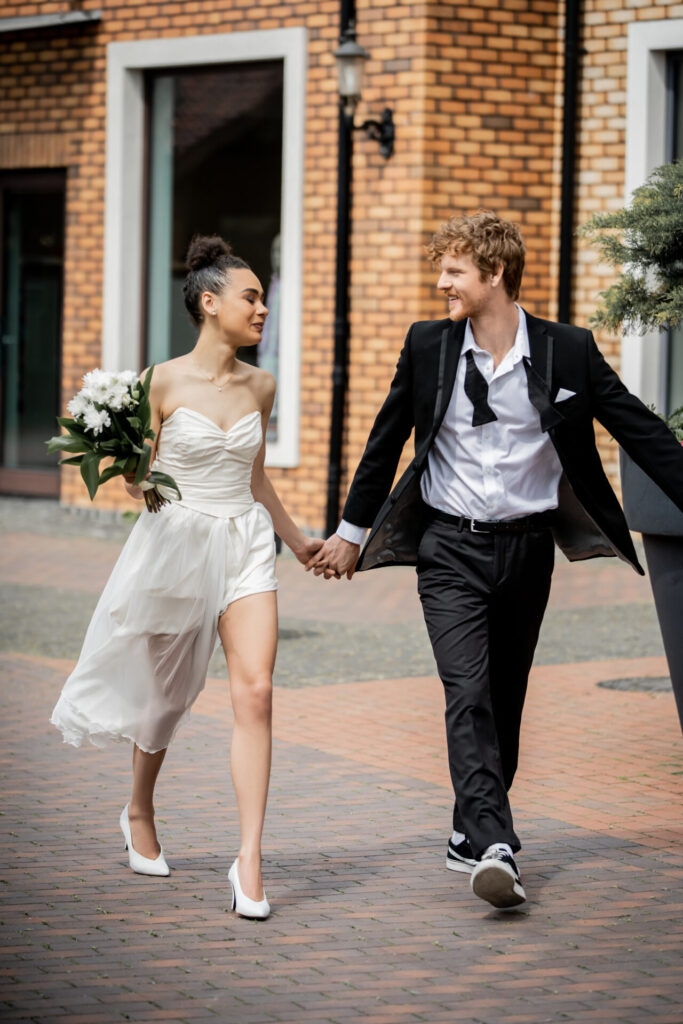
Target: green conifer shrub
<point x="646" y="239"/>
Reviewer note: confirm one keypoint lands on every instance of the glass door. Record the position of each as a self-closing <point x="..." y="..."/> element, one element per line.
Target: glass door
<point x="32" y="265"/>
<point x="215" y="167"/>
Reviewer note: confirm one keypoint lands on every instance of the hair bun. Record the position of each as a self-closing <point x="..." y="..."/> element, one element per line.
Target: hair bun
<point x="206" y="251"/>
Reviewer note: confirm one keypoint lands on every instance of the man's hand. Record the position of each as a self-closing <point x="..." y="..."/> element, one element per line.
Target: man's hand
<point x="335" y="558"/>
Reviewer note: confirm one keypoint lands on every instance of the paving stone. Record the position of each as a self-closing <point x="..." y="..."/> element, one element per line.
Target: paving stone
<point x="368" y="925"/>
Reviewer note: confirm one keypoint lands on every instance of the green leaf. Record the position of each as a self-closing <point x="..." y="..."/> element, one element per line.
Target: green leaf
<point x="155" y="477"/>
<point x="116" y="426"/>
<point x="123" y="424"/>
<point x="146" y="383"/>
<point x="144" y="410"/>
<point x="134" y="422"/>
<point x="90" y="471"/>
<point x="67" y="444"/>
<point x="144" y="414"/>
<point x="109" y="472"/>
<point x="143" y="464"/>
<point x="75" y="461"/>
<point x="76" y="429"/>
<point x="113" y="447"/>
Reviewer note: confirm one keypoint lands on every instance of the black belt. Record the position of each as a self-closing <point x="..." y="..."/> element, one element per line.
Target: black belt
<point x="537" y="521"/>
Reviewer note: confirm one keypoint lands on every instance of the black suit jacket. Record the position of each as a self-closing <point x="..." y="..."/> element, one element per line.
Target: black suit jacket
<point x="589" y="521"/>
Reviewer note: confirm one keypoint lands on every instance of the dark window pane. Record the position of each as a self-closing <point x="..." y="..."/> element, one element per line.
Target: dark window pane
<point x="33" y="244"/>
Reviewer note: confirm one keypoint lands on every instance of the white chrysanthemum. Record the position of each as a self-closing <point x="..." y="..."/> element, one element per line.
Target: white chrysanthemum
<point x="118" y="397"/>
<point x="95" y="421"/>
<point x="127" y="377"/>
<point x="96" y="386"/>
<point x="78" y="406"/>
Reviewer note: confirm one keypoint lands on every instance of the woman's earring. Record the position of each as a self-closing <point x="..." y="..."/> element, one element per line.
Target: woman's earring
<point x="214" y="313"/>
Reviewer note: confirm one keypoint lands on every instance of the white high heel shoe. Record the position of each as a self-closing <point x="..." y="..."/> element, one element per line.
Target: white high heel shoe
<point x="142" y="865"/>
<point x="243" y="905"/>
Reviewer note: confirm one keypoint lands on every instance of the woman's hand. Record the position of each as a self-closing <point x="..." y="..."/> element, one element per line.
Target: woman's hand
<point x="133" y="489"/>
<point x="308" y="548"/>
<point x="153" y="499"/>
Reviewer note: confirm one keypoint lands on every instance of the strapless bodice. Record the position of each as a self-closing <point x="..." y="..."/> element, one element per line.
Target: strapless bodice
<point x="212" y="467"/>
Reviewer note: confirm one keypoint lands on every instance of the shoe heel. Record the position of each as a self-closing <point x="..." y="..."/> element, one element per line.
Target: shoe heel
<point x="139" y="864"/>
<point x="243" y="905"/>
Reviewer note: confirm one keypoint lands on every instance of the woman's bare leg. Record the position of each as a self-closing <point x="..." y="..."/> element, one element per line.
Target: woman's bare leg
<point x="146" y="768"/>
<point x="248" y="632"/>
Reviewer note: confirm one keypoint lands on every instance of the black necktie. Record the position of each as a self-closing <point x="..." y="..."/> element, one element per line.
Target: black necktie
<point x="477" y="390"/>
<point x="539" y="396"/>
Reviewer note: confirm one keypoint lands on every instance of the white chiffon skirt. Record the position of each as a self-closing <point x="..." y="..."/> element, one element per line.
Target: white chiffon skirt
<point x="147" y="649"/>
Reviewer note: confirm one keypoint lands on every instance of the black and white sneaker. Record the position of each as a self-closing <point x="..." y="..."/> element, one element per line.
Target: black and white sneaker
<point x="460" y="857"/>
<point x="496" y="880"/>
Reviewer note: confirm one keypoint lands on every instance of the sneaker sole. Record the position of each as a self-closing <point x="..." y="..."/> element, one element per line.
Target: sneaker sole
<point x="497" y="886"/>
<point x="460" y="865"/>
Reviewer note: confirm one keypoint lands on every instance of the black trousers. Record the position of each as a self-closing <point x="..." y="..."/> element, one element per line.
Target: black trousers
<point x="483" y="597"/>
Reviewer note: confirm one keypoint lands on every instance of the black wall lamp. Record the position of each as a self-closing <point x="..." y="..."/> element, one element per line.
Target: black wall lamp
<point x="350" y="57"/>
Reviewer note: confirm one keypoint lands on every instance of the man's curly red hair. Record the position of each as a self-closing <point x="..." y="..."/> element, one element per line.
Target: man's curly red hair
<point x="489" y="240"/>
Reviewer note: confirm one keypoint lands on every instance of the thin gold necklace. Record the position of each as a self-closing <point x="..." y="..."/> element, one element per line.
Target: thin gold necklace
<point x="211" y="379"/>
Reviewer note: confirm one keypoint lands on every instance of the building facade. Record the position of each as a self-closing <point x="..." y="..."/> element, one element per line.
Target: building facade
<point x="128" y="125"/>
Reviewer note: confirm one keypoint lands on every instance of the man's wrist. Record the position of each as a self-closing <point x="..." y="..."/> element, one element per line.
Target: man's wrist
<point x="351" y="533"/>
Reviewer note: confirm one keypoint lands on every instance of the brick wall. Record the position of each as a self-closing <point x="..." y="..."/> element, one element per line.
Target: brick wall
<point x="476" y="93"/>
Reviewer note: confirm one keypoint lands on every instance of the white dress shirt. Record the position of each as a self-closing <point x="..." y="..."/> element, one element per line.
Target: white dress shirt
<point x="500" y="470"/>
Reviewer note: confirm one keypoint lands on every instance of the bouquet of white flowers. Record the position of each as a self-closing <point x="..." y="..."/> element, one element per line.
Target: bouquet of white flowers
<point x="111" y="419"/>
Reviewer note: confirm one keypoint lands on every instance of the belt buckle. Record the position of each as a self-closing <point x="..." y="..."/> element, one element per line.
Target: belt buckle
<point x="473" y="528"/>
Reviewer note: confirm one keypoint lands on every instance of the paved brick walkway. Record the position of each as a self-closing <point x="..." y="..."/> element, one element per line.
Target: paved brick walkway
<point x="367" y="924"/>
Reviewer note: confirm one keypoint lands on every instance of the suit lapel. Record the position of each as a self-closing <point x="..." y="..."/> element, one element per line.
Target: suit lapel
<point x="540" y="372"/>
<point x="454" y="340"/>
<point x="541" y="349"/>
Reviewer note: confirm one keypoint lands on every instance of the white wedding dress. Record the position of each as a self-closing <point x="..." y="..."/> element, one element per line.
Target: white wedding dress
<point x="147" y="649"/>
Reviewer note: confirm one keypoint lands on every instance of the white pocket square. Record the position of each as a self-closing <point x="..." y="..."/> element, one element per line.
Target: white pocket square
<point x="563" y="394"/>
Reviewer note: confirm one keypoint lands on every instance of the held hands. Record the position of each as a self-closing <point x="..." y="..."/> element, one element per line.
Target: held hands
<point x="335" y="558"/>
<point x="308" y="549"/>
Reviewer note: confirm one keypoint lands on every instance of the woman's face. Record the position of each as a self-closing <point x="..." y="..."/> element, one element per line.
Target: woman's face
<point x="239" y="311"/>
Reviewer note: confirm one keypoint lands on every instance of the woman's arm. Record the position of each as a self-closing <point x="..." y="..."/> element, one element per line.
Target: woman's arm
<point x="302" y="546"/>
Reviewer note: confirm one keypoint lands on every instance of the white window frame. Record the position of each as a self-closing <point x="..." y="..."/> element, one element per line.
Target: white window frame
<point x="124" y="227"/>
<point x="643" y="359"/>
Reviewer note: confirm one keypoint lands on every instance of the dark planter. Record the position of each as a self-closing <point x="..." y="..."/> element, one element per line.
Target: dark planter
<point x="650" y="512"/>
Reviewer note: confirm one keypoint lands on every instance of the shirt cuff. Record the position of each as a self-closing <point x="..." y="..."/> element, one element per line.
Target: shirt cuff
<point x="349" y="532"/>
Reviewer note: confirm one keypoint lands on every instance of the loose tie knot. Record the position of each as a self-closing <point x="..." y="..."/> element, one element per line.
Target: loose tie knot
<point x="477" y="390"/>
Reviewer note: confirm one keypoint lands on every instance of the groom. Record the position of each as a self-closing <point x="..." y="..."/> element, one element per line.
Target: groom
<point x="505" y="466"/>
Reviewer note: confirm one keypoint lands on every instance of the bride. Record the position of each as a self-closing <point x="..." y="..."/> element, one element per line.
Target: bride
<point x="200" y="571"/>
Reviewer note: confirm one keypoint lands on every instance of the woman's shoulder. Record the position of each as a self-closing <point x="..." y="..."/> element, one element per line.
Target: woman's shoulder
<point x="169" y="369"/>
<point x="166" y="375"/>
<point x="259" y="379"/>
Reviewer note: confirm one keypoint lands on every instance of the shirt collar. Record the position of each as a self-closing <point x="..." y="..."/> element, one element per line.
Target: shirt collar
<point x="519" y="349"/>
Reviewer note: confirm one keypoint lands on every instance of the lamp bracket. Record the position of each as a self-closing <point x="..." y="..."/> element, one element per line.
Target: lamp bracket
<point x="381" y="131"/>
